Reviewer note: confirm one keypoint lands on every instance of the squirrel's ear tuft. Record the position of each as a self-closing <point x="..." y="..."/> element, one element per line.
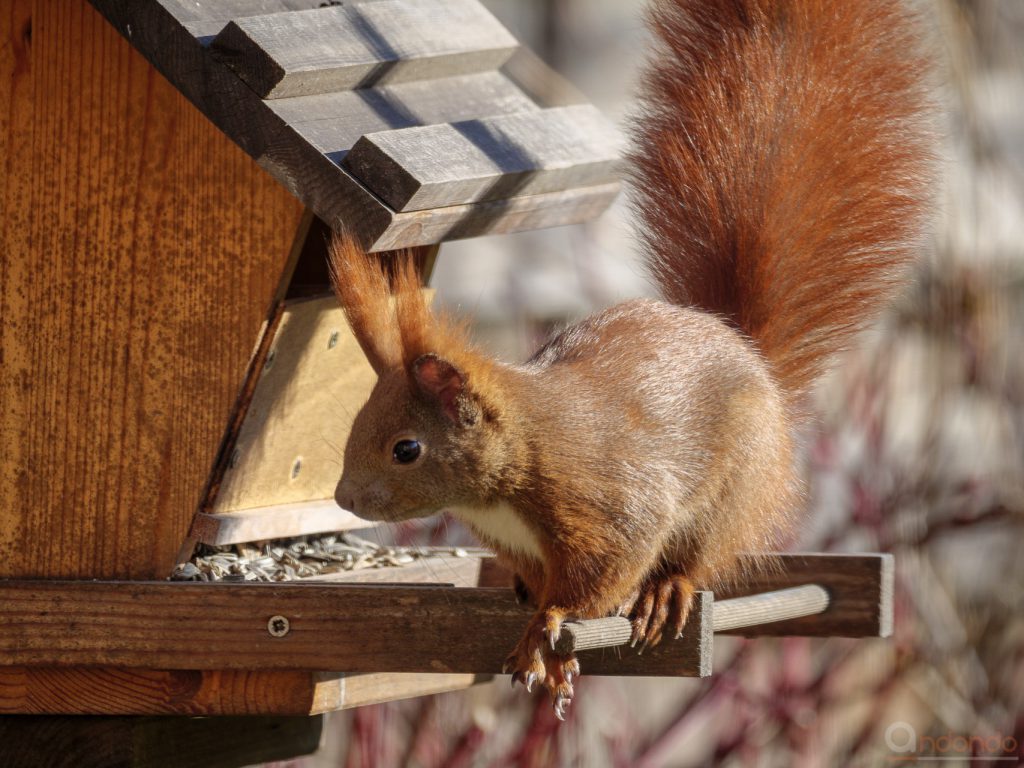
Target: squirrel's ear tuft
<point x="362" y="288"/>
<point x="441" y="382"/>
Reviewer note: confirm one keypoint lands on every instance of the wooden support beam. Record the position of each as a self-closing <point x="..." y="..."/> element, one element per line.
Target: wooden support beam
<point x="489" y="158"/>
<point x="154" y="742"/>
<point x="94" y="690"/>
<point x="859" y="589"/>
<point x="339" y="48"/>
<point x="104" y="690"/>
<point x="293" y="626"/>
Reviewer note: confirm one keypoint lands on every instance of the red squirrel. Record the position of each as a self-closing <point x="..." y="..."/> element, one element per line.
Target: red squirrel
<point x="781" y="174"/>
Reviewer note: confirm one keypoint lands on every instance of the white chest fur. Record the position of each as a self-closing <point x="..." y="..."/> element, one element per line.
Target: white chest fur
<point x="502" y="525"/>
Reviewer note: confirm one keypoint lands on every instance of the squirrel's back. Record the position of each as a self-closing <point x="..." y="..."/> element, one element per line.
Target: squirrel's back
<point x="782" y="166"/>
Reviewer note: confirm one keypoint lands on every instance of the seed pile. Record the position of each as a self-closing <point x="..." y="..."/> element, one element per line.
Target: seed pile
<point x="289" y="559"/>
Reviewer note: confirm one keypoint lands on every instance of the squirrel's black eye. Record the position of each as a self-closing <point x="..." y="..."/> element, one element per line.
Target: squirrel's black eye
<point x="406" y="451"/>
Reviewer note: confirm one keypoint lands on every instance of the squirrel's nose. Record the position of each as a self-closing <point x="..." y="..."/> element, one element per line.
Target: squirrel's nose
<point x="344" y="496"/>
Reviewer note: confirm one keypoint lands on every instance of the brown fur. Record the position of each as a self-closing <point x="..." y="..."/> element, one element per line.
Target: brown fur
<point x="781" y="170"/>
<point x="782" y="167"/>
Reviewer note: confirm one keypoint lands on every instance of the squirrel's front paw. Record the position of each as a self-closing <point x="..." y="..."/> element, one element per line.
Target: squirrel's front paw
<point x="660" y="601"/>
<point x="534" y="661"/>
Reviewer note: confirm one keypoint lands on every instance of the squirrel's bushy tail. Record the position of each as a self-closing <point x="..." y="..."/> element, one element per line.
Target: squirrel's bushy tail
<point x="783" y="165"/>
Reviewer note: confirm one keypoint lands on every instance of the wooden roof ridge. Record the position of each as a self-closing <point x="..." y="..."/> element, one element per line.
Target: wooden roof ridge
<point x="414" y="84"/>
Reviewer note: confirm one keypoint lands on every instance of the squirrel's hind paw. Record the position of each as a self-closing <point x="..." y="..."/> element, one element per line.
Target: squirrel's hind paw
<point x="662" y="602"/>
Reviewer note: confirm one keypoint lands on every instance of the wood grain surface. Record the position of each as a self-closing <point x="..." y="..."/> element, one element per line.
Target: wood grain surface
<point x="860" y="592"/>
<point x="859" y="588"/>
<point x="361" y="690"/>
<point x="338" y="48"/>
<point x="278" y="521"/>
<point x="351" y="628"/>
<point x="290" y="445"/>
<point x="769" y="607"/>
<point x="140" y="250"/>
<point x="205" y="19"/>
<point x="552" y="209"/>
<point x="207" y="693"/>
<point x="116" y="691"/>
<point x="490" y="158"/>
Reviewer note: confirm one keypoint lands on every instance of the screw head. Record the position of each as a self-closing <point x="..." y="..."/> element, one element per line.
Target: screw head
<point x="278" y="626"/>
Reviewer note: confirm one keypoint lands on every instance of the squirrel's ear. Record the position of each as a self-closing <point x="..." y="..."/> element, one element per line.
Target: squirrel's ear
<point x="443" y="383"/>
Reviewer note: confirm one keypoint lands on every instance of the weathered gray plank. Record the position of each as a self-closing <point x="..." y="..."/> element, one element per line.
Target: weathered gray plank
<point x="471" y="161"/>
<point x="511" y="214"/>
<point x="204" y="19"/>
<point x="540" y="82"/>
<point x="333" y="122"/>
<point x="344" y="47"/>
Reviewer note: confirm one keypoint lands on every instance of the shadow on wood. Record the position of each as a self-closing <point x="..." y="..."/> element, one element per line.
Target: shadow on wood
<point x="154" y="742"/>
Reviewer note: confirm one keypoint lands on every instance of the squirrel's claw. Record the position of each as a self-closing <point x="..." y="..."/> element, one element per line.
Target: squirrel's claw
<point x="661" y="602"/>
<point x="571" y="668"/>
<point x="553" y="628"/>
<point x="562" y="692"/>
<point x="559" y="706"/>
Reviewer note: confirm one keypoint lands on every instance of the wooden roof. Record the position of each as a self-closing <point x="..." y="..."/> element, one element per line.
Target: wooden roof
<point x="411" y="121"/>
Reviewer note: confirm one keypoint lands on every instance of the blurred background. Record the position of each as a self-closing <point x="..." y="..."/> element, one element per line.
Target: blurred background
<point x="917" y="449"/>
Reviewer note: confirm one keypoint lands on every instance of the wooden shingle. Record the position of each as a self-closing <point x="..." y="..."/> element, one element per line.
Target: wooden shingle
<point x="340" y="48"/>
<point x="525" y="153"/>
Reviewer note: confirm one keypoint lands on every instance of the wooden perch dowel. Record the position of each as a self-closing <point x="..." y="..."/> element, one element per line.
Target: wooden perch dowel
<point x="737" y="613"/>
<point x="768" y="607"/>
